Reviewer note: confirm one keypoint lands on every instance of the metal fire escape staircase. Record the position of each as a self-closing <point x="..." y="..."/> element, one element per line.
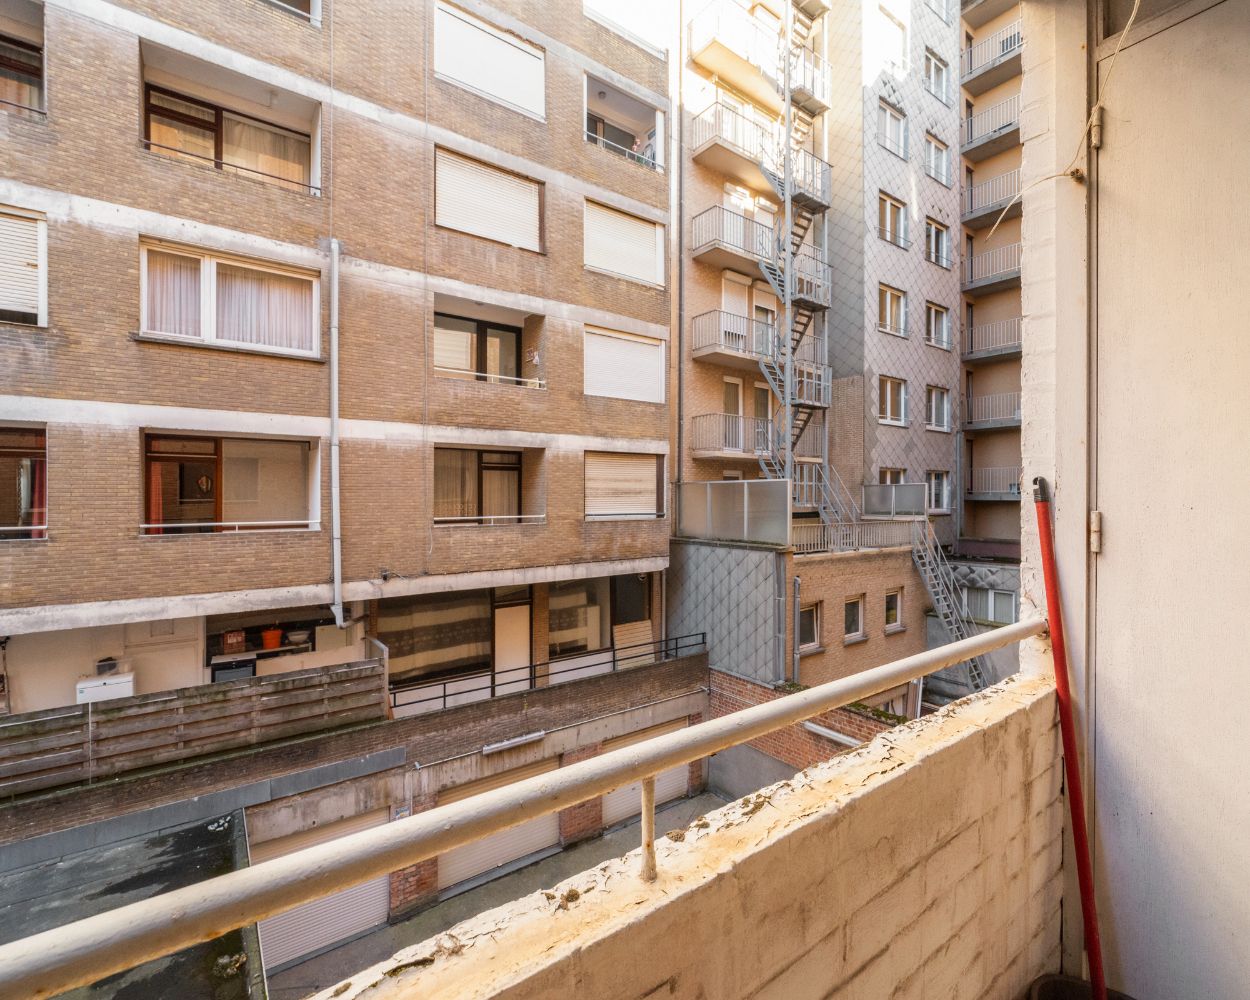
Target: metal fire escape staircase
<point x="940" y="582"/>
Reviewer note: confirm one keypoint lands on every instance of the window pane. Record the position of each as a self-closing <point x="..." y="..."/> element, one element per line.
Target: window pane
<point x="173" y="294"/>
<point x="182" y="492"/>
<point x="265" y="481"/>
<point x="436" y="633"/>
<point x="891" y="609"/>
<point x="501" y="492"/>
<point x="265" y="149"/>
<point x="807" y="627"/>
<point x="200" y="141"/>
<point x="264" y="308"/>
<point x="501" y="352"/>
<point x="23" y="494"/>
<point x="455" y="483"/>
<point x="22" y="87"/>
<point x="579" y="617"/>
<point x="851" y="623"/>
<point x="631" y="595"/>
<point x="455" y="346"/>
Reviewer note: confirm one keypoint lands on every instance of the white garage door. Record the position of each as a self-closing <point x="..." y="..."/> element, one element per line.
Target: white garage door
<point x="325" y="922"/>
<point x="507" y="845"/>
<point x="626" y="802"/>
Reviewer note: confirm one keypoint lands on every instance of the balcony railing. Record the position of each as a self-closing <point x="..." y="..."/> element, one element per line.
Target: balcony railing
<point x="1005" y="479"/>
<point x="936" y="255"/>
<point x="719" y="225"/>
<point x="997" y="189"/>
<point x="174" y="153"/>
<point x="1002" y="334"/>
<point x="210" y="527"/>
<point x="810" y="445"/>
<point x="733" y="27"/>
<point x="851" y="536"/>
<point x="998" y="118"/>
<point x="1002" y="43"/>
<point x="629" y="154"/>
<point x="813" y="278"/>
<point x="491" y="520"/>
<point x="743" y="510"/>
<point x="730" y="126"/>
<point x="809" y="73"/>
<point x="23" y="110"/>
<point x="811" y="175"/>
<point x="992" y="263"/>
<point x="996" y="406"/>
<point x="906" y="501"/>
<point x="729" y="332"/>
<point x="471" y="375"/>
<point x="420" y="696"/>
<point x="728" y="432"/>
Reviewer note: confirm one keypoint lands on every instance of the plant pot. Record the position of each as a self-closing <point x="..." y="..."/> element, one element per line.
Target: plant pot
<point x="1067" y="988"/>
<point x="271" y="638"/>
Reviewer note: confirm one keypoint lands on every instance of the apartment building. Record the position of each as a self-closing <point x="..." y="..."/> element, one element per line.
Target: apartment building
<point x="338" y="360"/>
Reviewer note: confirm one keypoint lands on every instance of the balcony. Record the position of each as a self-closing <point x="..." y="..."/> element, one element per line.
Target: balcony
<point x="734" y="341"/>
<point x="810" y="82"/>
<point x="987" y="485"/>
<point x="895" y="501"/>
<point x="984" y="202"/>
<point x="813" y="279"/>
<point x="977" y="13"/>
<point x="997" y="341"/>
<point x="744" y="510"/>
<point x="991" y="131"/>
<point x="725" y="239"/>
<point x="993" y="271"/>
<point x="730" y="436"/>
<point x="992" y="60"/>
<point x="740" y="50"/>
<point x="851" y="536"/>
<point x="623" y="125"/>
<point x="994" y="411"/>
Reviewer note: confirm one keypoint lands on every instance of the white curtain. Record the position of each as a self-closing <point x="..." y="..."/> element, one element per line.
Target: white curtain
<point x="173" y="294"/>
<point x="255" y="146"/>
<point x="261" y="307"/>
<point x="455" y="483"/>
<point x="500" y="495"/>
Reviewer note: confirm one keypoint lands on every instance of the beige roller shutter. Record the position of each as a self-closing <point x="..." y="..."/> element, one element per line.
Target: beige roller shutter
<point x="625" y="803"/>
<point x="624" y="244"/>
<point x="619" y="484"/>
<point x="331" y="920"/>
<point x="506" y="846"/>
<point x="474" y="198"/>
<point x="487" y="60"/>
<point x="22" y="261"/>
<point x="623" y="366"/>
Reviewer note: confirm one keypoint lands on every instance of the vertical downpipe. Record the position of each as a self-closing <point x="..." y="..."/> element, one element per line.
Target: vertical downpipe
<point x="788" y="257"/>
<point x="794" y="655"/>
<point x="336" y="530"/>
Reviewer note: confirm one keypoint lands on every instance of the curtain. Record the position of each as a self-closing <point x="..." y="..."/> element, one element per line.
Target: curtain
<point x="501" y="489"/>
<point x="254" y="146"/>
<point x="156" y="500"/>
<point x="265" y="308"/>
<point x="173" y="294"/>
<point x="455" y="483"/>
<point x="39" y="496"/>
<point x="23" y="88"/>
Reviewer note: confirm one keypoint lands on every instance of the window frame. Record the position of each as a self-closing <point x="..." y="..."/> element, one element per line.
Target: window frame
<point x="898" y="386"/>
<point x="932" y="310"/>
<point x="893" y="212"/>
<point x="891" y="476"/>
<point x="898" y="625"/>
<point x="208" y="299"/>
<point x="481" y="328"/>
<point x="816" y="645"/>
<point x="933" y="143"/>
<point x="312" y="16"/>
<point x="478" y="468"/>
<point x="17" y="67"/>
<point x="931" y="479"/>
<point x="888" y="113"/>
<point x="885" y="295"/>
<point x="861" y="633"/>
<point x="41" y="263"/>
<point x="937" y="238"/>
<point x="932" y="394"/>
<point x="933" y="60"/>
<point x="37" y="532"/>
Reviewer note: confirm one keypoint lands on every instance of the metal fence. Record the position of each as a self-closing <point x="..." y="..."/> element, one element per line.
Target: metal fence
<point x="998" y="189"/>
<point x="1000" y="260"/>
<point x="997" y="406"/>
<point x="1004" y="42"/>
<point x="1002" y="333"/>
<point x="995" y="119"/>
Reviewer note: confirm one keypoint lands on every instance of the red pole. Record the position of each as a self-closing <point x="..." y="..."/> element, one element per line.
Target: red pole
<point x="1067" y="727"/>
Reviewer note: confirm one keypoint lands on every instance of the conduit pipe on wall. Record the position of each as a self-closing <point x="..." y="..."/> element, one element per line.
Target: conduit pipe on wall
<point x="336" y="533"/>
<point x="798" y="617"/>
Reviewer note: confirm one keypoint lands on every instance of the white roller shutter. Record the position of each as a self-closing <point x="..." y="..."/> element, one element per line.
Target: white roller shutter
<point x="621" y="484"/>
<point x="328" y="921"/>
<point x="623" y="366"/>
<point x="482" y="58"/>
<point x="624" y="244"/>
<point x="672" y="784"/>
<point x="507" y="845"/>
<point x="474" y="198"/>
<point x="23" y="262"/>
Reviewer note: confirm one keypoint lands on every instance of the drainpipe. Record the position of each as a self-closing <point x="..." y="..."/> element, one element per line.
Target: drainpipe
<point x="336" y="530"/>
<point x="794" y="646"/>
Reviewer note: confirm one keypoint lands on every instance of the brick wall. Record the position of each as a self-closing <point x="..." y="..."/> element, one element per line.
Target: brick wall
<point x="417" y="884"/>
<point x="586" y="818"/>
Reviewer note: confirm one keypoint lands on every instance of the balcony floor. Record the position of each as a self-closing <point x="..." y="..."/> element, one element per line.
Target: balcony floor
<point x="1000" y="424"/>
<point x="983" y="147"/>
<point x="993" y="283"/>
<point x="721" y="155"/>
<point x="987" y="215"/>
<point x="725" y="256"/>
<point x="993" y="73"/>
<point x="991" y="354"/>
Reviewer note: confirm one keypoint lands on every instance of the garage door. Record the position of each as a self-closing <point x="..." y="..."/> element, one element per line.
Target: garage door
<point x="626" y="802"/>
<point x="323" y="923"/>
<point x="505" y="846"/>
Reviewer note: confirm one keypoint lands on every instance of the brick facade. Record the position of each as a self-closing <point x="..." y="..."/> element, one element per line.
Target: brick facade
<point x="585" y="819"/>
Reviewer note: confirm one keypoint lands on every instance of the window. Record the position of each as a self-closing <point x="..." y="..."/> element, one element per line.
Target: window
<point x="937" y="325"/>
<point x="893" y="40"/>
<point x="853" y="619"/>
<point x="892" y="311"/>
<point x="623" y="125"/>
<point x="892" y="129"/>
<point x="891" y="477"/>
<point x="579" y="616"/>
<point x="23" y="483"/>
<point x="937" y="159"/>
<point x="937" y="408"/>
<point x="892" y="402"/>
<point x="476" y="350"/>
<point x="206" y="484"/>
<point x="476" y="487"/>
<point x="939" y="491"/>
<point x="623" y="485"/>
<point x="623" y="366"/>
<point x="987" y="605"/>
<point x="894" y="611"/>
<point x="623" y="244"/>
<point x="21" y="77"/>
<point x="185" y="127"/>
<point x="936" y="77"/>
<point x="809" y="627"/>
<point x="480" y="200"/>
<point x="23" y="268"/>
<point x="892" y="221"/>
<point x="223" y="300"/>
<point x="937" y="243"/>
<point x="445" y="633"/>
<point x="489" y="62"/>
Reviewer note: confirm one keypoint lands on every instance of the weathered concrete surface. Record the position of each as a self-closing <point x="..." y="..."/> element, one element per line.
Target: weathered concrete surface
<point x="925" y="863"/>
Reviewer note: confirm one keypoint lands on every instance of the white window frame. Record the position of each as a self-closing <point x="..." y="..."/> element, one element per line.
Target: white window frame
<point x="890" y="476"/>
<point x="937" y="243"/>
<point x="891" y="390"/>
<point x="41" y="262"/>
<point x="888" y="295"/>
<point x="937" y="318"/>
<point x="859" y="634"/>
<point x="893" y="213"/>
<point x="898" y="625"/>
<point x="937" y="76"/>
<point x="937" y="404"/>
<point x="995" y="598"/>
<point x="815" y="644"/>
<point x="208" y="298"/>
<point x="887" y="116"/>
<point x="931" y="480"/>
<point x="937" y="159"/>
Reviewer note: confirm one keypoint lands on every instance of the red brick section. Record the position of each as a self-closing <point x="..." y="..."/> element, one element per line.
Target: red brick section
<point x="793" y="745"/>
<point x="697" y="781"/>
<point x="416" y="885"/>
<point x="586" y="818"/>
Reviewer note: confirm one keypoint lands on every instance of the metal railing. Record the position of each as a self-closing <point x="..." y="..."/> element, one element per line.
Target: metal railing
<point x="992" y="263"/>
<point x="1002" y="333"/>
<point x="810" y="442"/>
<point x="995" y="406"/>
<point x="941" y="171"/>
<point x="811" y="175"/>
<point x="493" y="520"/>
<point x="628" y="154"/>
<point x="731" y="332"/>
<point x="211" y="527"/>
<point x="850" y="536"/>
<point x="1004" y="42"/>
<point x="735" y="510"/>
<point x="1001" y="116"/>
<point x="894" y="236"/>
<point x="98" y="946"/>
<point x="730" y="126"/>
<point x="471" y="375"/>
<point x="728" y="432"/>
<point x="719" y="225"/>
<point x="934" y="256"/>
<point x="997" y="189"/>
<point x="733" y="27"/>
<point x="809" y="73"/>
<point x="25" y="110"/>
<point x="897" y="148"/>
<point x="419" y="697"/>
<point x="36" y="531"/>
<point x="996" y="480"/>
<point x="174" y="153"/>
<point x="813" y="278"/>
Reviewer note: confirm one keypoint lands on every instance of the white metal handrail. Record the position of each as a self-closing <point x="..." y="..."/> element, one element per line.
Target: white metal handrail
<point x="992" y="263"/>
<point x="1005" y="479"/>
<point x="1004" y="42"/>
<point x="850" y="536"/>
<point x="476" y="376"/>
<point x="195" y="527"/>
<point x="809" y="73"/>
<point x="90" y="949"/>
<point x="719" y="225"/>
<point x="494" y="520"/>
<point x="625" y="153"/>
<point x="1001" y="333"/>
<point x="40" y="112"/>
<point x="717" y="328"/>
<point x="729" y="125"/>
<point x="895" y="236"/>
<point x="1001" y="116"/>
<point x="994" y="406"/>
<point x="997" y="189"/>
<point x="728" y="432"/>
<point x="813" y="278"/>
